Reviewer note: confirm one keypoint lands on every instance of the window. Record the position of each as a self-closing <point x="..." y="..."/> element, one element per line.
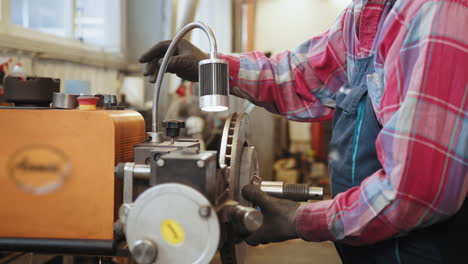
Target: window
<point x="88" y="21"/>
<point x="98" y="22"/>
<point x="49" y="16"/>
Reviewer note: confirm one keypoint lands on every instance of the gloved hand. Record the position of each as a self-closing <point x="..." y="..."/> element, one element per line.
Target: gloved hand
<point x="279" y="217"/>
<point x="184" y="61"/>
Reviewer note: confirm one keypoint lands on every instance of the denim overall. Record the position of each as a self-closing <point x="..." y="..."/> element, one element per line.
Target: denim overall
<point x="353" y="157"/>
<point x="355" y="128"/>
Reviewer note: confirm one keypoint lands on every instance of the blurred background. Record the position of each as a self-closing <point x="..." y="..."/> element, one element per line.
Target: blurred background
<point x="94" y="45"/>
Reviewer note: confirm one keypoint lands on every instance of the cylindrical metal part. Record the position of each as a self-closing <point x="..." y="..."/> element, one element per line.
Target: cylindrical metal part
<point x="140" y="171"/>
<point x="155" y="137"/>
<point x="295" y="192"/>
<point x="144" y="252"/>
<point x="110" y="100"/>
<point x="214" y="103"/>
<point x="315" y="193"/>
<point x="249" y="219"/>
<point x="273" y="188"/>
<point x="106" y="100"/>
<point x="65" y="101"/>
<point x="214" y="85"/>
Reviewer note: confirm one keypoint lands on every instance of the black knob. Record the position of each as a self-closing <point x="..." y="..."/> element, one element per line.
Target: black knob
<point x="173" y="127"/>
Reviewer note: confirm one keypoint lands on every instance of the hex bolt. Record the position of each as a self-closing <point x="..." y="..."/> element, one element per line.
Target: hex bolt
<point x="204" y="211"/>
<point x="160" y="163"/>
<point x="144" y="251"/>
<point x="200" y="164"/>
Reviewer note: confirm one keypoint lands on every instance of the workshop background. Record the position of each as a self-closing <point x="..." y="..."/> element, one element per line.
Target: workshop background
<point x="95" y="45"/>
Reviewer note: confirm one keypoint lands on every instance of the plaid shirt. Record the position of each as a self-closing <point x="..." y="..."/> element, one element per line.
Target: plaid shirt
<point x="419" y="92"/>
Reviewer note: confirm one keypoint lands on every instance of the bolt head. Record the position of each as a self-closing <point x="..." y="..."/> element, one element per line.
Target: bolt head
<point x="200" y="164"/>
<point x="160" y="163"/>
<point x="204" y="211"/>
<point x="144" y="252"/>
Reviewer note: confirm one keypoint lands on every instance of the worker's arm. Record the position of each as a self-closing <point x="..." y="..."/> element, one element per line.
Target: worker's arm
<point x="423" y="145"/>
<point x="295" y="84"/>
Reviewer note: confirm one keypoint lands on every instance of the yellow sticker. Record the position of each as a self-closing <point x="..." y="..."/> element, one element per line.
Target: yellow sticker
<point x="172" y="232"/>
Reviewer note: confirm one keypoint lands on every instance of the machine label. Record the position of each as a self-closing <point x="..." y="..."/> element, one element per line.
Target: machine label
<point x="39" y="169"/>
<point x="172" y="232"/>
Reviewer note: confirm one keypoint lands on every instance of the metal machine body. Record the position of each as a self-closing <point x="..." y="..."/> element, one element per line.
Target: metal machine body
<point x="195" y="193"/>
<point x="200" y="194"/>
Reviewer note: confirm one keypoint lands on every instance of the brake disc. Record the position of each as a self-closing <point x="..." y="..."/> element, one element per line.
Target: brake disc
<point x="235" y="141"/>
<point x="239" y="156"/>
<point x="236" y="136"/>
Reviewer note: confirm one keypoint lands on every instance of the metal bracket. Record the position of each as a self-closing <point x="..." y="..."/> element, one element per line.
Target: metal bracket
<point x="128" y="182"/>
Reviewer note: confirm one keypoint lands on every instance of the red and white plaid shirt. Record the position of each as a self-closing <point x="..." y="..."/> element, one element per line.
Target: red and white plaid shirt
<point x="419" y="92"/>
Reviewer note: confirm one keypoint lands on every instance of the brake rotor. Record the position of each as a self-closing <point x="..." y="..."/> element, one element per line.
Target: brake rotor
<point x="249" y="173"/>
<point x="237" y="152"/>
<point x="240" y="157"/>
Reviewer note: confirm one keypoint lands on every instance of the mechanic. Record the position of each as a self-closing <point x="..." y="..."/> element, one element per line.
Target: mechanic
<point x="393" y="75"/>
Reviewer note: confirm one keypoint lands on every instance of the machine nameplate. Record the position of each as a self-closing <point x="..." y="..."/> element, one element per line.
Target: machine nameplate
<point x="39" y="169"/>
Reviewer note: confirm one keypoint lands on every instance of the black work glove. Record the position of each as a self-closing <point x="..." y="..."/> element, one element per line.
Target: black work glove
<point x="184" y="61"/>
<point x="279" y="217"/>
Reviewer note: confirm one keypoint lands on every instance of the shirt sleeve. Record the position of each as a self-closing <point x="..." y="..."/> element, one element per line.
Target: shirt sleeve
<point x="297" y="84"/>
<point x="423" y="143"/>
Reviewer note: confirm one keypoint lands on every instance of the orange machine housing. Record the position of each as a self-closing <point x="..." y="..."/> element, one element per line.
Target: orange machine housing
<point x="57" y="171"/>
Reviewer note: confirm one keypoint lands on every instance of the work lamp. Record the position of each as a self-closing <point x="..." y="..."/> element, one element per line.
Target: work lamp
<point x="213" y="78"/>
